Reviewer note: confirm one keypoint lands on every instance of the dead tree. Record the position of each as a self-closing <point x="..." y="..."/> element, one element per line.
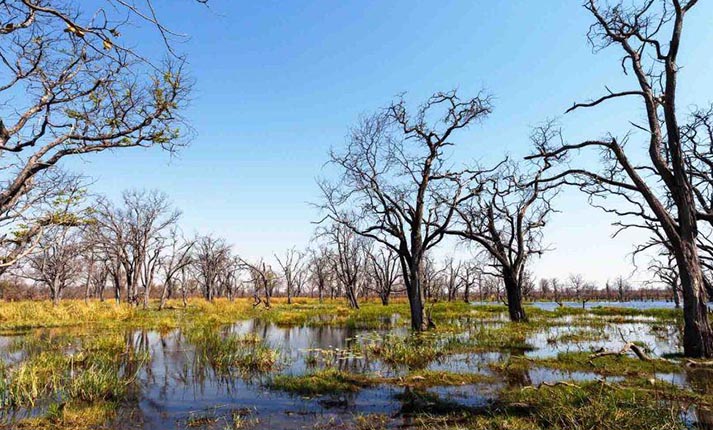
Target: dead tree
<point x="395" y="185"/>
<point x="56" y="264"/>
<point x="623" y="287"/>
<point x="659" y="190"/>
<point x="134" y="233"/>
<point x="318" y="266"/>
<point x="348" y="259"/>
<point x="178" y="256"/>
<point x="263" y="280"/>
<point x="578" y="286"/>
<point x="292" y="266"/>
<point x="453" y="278"/>
<point x="211" y="255"/>
<point x="470" y="275"/>
<point x="557" y="291"/>
<point x="664" y="270"/>
<point x="383" y="267"/>
<point x="506" y="219"/>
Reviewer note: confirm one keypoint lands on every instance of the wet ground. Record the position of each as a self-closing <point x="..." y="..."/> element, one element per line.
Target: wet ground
<point x="177" y="387"/>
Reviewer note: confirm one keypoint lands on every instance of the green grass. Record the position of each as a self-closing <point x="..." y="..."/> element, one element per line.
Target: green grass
<point x="83" y="363"/>
<point x="592" y="405"/>
<point x="226" y="352"/>
<point x="327" y="381"/>
<point x="581" y="362"/>
<point x="92" y="370"/>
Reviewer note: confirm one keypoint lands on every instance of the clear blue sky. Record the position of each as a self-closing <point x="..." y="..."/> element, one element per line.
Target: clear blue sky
<point x="278" y="83"/>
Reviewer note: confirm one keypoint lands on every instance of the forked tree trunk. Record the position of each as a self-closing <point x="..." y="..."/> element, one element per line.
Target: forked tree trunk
<point x="384" y="299"/>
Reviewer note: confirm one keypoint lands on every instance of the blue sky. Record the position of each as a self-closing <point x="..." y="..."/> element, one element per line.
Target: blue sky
<point x="278" y="83"/>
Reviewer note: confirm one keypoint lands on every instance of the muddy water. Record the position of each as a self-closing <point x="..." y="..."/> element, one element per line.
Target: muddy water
<point x="176" y="389"/>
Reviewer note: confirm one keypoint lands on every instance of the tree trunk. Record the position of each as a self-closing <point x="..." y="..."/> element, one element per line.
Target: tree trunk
<point x="676" y="296"/>
<point x="164" y="294"/>
<point x="415" y="298"/>
<point x="697" y="333"/>
<point x="384" y="299"/>
<point x="54" y="295"/>
<point x="514" y="294"/>
<point x="351" y="297"/>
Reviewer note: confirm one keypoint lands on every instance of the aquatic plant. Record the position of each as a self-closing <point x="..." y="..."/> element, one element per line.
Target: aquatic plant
<point x="327" y="381"/>
<point x="226" y="352"/>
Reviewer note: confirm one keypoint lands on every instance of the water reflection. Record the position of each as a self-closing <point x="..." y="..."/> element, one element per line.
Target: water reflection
<point x="179" y="382"/>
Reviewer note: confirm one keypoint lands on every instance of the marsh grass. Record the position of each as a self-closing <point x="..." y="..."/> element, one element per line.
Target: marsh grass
<point x="581" y="362"/>
<point x="68" y="416"/>
<point x="598" y="404"/>
<point x="83" y="364"/>
<point x="325" y="381"/>
<point x="226" y="352"/>
<point x="95" y="370"/>
<point x="415" y="351"/>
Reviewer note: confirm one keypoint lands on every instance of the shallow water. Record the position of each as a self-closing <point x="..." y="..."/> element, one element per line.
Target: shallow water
<point x="177" y="388"/>
<point x="633" y="304"/>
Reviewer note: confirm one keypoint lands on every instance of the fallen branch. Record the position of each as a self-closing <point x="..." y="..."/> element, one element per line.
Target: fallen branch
<point x="551" y="384"/>
<point x="698" y="363"/>
<point x="628" y="347"/>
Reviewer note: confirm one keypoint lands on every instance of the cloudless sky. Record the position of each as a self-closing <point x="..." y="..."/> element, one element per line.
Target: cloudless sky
<point x="278" y="83"/>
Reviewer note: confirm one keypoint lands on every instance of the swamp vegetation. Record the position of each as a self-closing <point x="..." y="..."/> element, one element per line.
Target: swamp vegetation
<point x="229" y="365"/>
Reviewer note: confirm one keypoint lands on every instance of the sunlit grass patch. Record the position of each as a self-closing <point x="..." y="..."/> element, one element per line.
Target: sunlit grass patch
<point x="413" y="351"/>
<point x="326" y="381"/>
<point x="69" y="416"/>
<point x="612" y="365"/>
<point x="603" y="405"/>
<point x="436" y="378"/>
<point x="488" y="337"/>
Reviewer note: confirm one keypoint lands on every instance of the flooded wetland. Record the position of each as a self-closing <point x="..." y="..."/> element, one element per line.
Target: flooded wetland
<point x="308" y="365"/>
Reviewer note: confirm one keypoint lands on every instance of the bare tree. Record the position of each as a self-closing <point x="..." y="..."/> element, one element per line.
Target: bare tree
<point x="506" y="219"/>
<point x="577" y="285"/>
<point x="453" y="278"/>
<point x="56" y="262"/>
<point x="134" y="234"/>
<point x="263" y="279"/>
<point x="319" y="265"/>
<point x="292" y="266"/>
<point x="431" y="279"/>
<point x="396" y="187"/>
<point x="211" y="256"/>
<point x="557" y="291"/>
<point x="471" y="275"/>
<point x="383" y="267"/>
<point x="348" y="258"/>
<point x="177" y="258"/>
<point x="348" y="261"/>
<point x="623" y="287"/>
<point x="665" y="272"/>
<point x="658" y="191"/>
